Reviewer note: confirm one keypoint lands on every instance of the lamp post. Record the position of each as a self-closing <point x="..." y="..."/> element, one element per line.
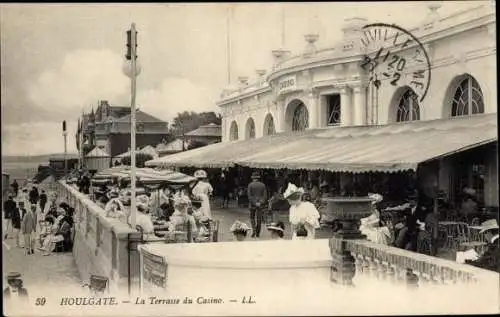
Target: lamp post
<point x="65" y="135"/>
<point x="132" y="69"/>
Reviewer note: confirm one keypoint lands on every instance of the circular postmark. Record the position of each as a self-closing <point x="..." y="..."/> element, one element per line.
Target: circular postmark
<point x="396" y="57"/>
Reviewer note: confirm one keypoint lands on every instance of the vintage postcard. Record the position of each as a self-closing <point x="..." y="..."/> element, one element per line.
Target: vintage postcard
<point x="263" y="159"/>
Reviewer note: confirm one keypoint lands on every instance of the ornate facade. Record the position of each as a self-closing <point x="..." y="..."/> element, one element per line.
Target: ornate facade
<point x="326" y="87"/>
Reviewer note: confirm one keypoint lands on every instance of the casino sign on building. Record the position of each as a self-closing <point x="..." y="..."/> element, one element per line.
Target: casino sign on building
<point x="384" y="99"/>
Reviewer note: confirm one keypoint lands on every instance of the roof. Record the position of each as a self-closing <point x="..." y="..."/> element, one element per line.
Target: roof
<point x="69" y="156"/>
<point x="211" y="129"/>
<point x="384" y="148"/>
<point x="97" y="152"/>
<point x="140" y="116"/>
<point x="174" y="146"/>
<point x="148" y="149"/>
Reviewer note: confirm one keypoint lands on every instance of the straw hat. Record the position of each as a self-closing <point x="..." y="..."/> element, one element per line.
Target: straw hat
<point x="323" y="184"/>
<point x="275" y="227"/>
<point x="239" y="226"/>
<point x="255" y="175"/>
<point x="13" y="275"/>
<point x="200" y="174"/>
<point x="181" y="200"/>
<point x="470" y="191"/>
<point x="292" y="190"/>
<point x="489" y="225"/>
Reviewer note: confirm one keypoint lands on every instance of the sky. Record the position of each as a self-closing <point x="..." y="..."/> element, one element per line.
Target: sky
<point x="58" y="60"/>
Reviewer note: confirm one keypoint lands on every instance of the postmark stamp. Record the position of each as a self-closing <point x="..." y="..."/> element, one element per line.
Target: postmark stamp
<point x="395" y="57"/>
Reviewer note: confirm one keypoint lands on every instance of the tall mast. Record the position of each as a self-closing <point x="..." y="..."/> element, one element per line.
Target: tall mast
<point x="282" y="26"/>
<point x="229" y="14"/>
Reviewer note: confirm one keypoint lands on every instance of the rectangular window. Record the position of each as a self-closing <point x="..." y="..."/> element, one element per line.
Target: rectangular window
<point x="333" y="109"/>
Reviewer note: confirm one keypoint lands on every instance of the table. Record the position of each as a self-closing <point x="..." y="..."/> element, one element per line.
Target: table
<point x="478" y="246"/>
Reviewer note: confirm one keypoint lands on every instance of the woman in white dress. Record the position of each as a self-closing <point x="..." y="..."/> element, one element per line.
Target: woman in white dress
<point x="203" y="190"/>
<point x="370" y="226"/>
<point x="180" y="217"/>
<point x="302" y="213"/>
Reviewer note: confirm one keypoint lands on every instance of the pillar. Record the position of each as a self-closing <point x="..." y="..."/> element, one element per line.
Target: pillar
<point x="345" y="107"/>
<point x="359" y="106"/>
<point x="223" y="128"/>
<point x="313" y="110"/>
<point x="348" y="212"/>
<point x="322" y="112"/>
<point x="280" y="120"/>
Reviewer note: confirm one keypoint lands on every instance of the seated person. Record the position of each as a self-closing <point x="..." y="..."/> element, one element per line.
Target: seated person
<point x="60" y="231"/>
<point x="370" y="226"/>
<point x="143" y="220"/>
<point x="490" y="259"/>
<point x="115" y="209"/>
<point x="180" y="218"/>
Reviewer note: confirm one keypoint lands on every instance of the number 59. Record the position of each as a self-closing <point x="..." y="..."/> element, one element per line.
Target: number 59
<point x="40" y="301"/>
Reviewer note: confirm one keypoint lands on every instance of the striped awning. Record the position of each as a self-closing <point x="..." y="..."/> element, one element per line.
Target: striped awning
<point x="383" y="148"/>
<point x="108" y="173"/>
<point x="150" y="176"/>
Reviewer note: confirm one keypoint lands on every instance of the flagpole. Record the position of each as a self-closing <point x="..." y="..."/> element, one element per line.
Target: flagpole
<point x="228" y="42"/>
<point x="132" y="129"/>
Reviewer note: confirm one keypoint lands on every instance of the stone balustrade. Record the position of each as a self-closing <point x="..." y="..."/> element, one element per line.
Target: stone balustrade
<point x="352" y="253"/>
<point x="102" y="246"/>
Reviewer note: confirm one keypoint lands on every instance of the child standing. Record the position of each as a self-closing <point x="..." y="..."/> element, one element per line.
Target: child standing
<point x="28" y="228"/>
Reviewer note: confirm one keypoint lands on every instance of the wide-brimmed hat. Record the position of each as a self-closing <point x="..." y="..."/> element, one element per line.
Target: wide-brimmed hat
<point x="293" y="190"/>
<point x="255" y="175"/>
<point x="13" y="275"/>
<point x="239" y="226"/>
<point x="181" y="200"/>
<point x="323" y="184"/>
<point x="200" y="174"/>
<point x="470" y="191"/>
<point x="276" y="227"/>
<point x="489" y="225"/>
<point x="376" y="198"/>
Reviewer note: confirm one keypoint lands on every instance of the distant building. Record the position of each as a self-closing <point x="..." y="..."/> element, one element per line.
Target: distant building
<point x="56" y="162"/>
<point x="109" y="129"/>
<point x="208" y="134"/>
<point x="173" y="147"/>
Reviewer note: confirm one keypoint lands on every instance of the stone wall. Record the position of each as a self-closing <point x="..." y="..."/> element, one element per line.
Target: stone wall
<point x="101" y="244"/>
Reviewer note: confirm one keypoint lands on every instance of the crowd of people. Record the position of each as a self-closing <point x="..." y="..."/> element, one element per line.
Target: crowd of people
<point x="33" y="217"/>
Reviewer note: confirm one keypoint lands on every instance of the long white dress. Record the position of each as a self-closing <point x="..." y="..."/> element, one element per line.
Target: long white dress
<point x="203" y="190"/>
<point x="307" y="214"/>
<point x="374" y="233"/>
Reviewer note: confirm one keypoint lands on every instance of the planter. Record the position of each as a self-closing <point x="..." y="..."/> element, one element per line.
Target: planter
<point x="348" y="211"/>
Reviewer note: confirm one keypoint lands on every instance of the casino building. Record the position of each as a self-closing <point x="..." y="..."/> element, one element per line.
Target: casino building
<point x="428" y="101"/>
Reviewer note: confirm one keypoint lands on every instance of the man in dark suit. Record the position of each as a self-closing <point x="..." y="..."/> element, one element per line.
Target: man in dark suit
<point x="9" y="206"/>
<point x="257" y="197"/>
<point x="15" y="288"/>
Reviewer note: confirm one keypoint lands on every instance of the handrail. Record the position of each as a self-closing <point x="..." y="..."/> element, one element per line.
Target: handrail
<point x="429" y="268"/>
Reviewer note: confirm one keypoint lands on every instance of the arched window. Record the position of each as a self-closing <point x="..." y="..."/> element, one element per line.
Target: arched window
<point x="250" y="129"/>
<point x="269" y="128"/>
<point x="233" y="131"/>
<point x="468" y="98"/>
<point x="408" y="108"/>
<point x="300" y="120"/>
